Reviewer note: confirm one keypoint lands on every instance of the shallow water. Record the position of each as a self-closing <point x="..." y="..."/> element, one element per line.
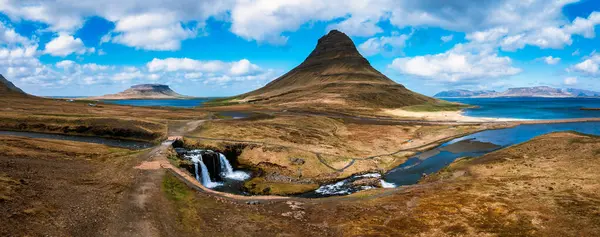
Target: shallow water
<point x="135" y="145"/>
<point x="531" y="108"/>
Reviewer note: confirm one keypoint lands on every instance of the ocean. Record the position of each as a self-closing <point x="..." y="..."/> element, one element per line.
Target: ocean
<point x="531" y="108"/>
<point x="185" y="103"/>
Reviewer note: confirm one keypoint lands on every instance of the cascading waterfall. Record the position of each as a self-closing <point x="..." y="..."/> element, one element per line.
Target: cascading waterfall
<point x="227" y="170"/>
<point x="203" y="176"/>
<point x="206" y="177"/>
<point x="225" y="165"/>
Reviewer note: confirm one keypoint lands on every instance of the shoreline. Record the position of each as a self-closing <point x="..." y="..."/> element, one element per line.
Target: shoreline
<point x="458" y="116"/>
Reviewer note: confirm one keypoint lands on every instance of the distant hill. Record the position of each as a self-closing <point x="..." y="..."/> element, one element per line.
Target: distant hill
<point x="8" y="88"/>
<point x="538" y="91"/>
<point x="336" y="76"/>
<point x="144" y="91"/>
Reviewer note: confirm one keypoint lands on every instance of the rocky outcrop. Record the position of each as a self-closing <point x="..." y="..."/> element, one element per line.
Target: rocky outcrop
<point x="144" y="91"/>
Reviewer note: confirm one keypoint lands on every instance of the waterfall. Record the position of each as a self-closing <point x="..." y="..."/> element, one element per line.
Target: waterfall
<point x="206" y="177"/>
<point x="203" y="176"/>
<point x="196" y="160"/>
<point x="227" y="170"/>
<point x="225" y="166"/>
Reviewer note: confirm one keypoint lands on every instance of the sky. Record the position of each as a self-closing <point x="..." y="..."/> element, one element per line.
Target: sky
<point x="212" y="48"/>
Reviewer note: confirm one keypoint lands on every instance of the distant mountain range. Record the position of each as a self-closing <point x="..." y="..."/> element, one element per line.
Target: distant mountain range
<point x="538" y="91"/>
<point x="144" y="91"/>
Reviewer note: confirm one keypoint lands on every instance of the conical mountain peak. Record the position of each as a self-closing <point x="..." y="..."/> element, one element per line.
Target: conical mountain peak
<point x="334" y="45"/>
<point x="334" y="74"/>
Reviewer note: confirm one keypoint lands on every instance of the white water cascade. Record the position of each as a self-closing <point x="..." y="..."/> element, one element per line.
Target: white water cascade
<point x="203" y="176"/>
<point x="206" y="177"/>
<point x="227" y="170"/>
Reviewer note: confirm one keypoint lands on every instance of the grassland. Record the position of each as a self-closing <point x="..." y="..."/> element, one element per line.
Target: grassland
<point x="79" y="118"/>
<point x="301" y="151"/>
<point x="545" y="187"/>
<point x="60" y="188"/>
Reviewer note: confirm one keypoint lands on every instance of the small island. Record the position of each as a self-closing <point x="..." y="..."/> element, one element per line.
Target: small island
<point x="143" y="91"/>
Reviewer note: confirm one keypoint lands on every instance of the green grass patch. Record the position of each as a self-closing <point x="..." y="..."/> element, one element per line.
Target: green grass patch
<point x="221" y="102"/>
<point x="436" y="107"/>
<point x="175" y="189"/>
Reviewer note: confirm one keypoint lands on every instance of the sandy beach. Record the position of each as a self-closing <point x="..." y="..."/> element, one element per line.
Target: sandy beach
<point x="455" y="116"/>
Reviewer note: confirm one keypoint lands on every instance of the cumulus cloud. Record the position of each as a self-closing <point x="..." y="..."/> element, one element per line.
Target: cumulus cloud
<point x="162" y="25"/>
<point x="385" y="44"/>
<point x="143" y="24"/>
<point x="462" y="64"/>
<point x="64" y="45"/>
<point x="8" y="36"/>
<point x="570" y="81"/>
<point x="237" y="68"/>
<point x="589" y="67"/>
<point x="549" y="60"/>
<point x="151" y="31"/>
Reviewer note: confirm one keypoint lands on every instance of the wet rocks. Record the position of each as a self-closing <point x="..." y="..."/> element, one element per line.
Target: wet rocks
<point x="370" y="182"/>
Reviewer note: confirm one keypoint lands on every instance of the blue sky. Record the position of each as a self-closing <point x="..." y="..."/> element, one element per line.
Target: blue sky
<point x="228" y="47"/>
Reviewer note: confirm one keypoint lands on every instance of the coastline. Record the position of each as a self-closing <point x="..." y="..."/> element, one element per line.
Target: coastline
<point x="445" y="116"/>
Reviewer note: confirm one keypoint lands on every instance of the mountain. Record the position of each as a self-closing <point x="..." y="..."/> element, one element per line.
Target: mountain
<point x="8" y="88"/>
<point x="538" y="91"/>
<point x="334" y="75"/>
<point x="462" y="93"/>
<point x="144" y="91"/>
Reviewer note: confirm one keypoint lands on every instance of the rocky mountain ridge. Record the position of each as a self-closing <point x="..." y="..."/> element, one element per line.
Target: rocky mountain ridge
<point x="538" y="91"/>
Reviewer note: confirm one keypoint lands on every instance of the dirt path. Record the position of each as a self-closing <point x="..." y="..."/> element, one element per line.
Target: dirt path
<point x="135" y="217"/>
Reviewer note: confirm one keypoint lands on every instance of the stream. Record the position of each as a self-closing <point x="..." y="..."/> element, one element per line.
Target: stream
<point x="431" y="161"/>
<point x="129" y="144"/>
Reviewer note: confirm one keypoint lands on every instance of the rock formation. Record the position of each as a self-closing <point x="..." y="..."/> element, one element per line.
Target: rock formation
<point x="144" y="91"/>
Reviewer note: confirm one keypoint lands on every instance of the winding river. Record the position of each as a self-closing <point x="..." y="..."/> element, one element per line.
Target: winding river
<point x="129" y="144"/>
<point x="474" y="145"/>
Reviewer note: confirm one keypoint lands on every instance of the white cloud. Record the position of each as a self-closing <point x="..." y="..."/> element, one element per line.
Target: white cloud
<point x="447" y="38"/>
<point x="151" y="31"/>
<point x="236" y="68"/>
<point x="588" y="67"/>
<point x="8" y="36"/>
<point x="65" y="64"/>
<point x="243" y="67"/>
<point x="266" y="20"/>
<point x="385" y="44"/>
<point x="550" y="60"/>
<point x="143" y="24"/>
<point x="584" y="26"/>
<point x="163" y="25"/>
<point x="488" y="35"/>
<point x="462" y="64"/>
<point x="570" y="81"/>
<point x="64" y="45"/>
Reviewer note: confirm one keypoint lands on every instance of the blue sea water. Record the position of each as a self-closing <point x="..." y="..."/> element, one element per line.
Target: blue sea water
<point x="186" y="103"/>
<point x="531" y="108"/>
